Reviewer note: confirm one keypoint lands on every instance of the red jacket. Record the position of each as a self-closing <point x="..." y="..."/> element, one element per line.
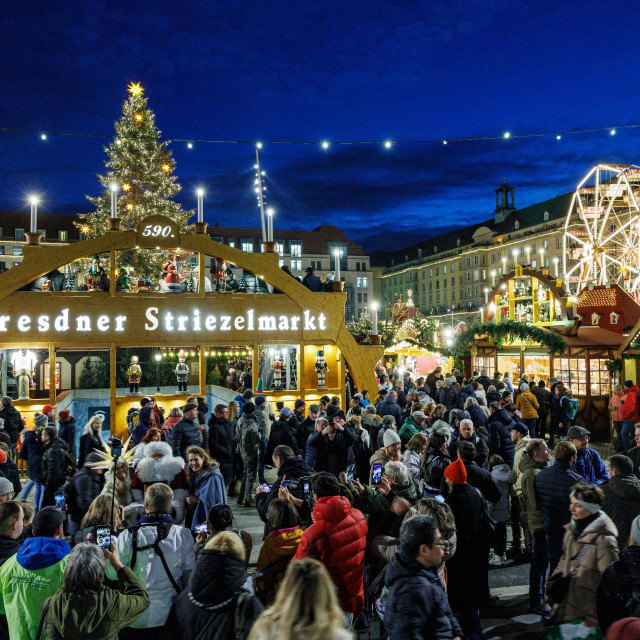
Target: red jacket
<point x="630" y="409"/>
<point x="337" y="538"/>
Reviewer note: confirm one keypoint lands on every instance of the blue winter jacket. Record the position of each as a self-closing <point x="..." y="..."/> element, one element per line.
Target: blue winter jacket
<point x="389" y="407"/>
<point x="467" y="392"/>
<point x="208" y="487"/>
<point x="500" y="436"/>
<point x="32" y="451"/>
<point x="417" y="605"/>
<point x="590" y="466"/>
<point x="552" y="489"/>
<point x="241" y="400"/>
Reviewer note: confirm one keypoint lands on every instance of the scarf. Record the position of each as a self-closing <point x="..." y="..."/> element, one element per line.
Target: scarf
<point x="155" y="518"/>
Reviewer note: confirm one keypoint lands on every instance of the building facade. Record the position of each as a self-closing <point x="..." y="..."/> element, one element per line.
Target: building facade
<point x="451" y="275"/>
<point x="301" y="249"/>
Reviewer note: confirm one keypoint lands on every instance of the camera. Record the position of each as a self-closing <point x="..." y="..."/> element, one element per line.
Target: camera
<point x="116" y="446"/>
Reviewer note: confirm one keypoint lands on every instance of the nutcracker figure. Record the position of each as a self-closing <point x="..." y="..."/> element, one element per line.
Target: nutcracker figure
<point x="172" y="277"/>
<point x="24" y="363"/>
<point x="321" y="368"/>
<point x="96" y="275"/>
<point x="219" y="274"/>
<point x="134" y="373"/>
<point x="182" y="372"/>
<point x="278" y="372"/>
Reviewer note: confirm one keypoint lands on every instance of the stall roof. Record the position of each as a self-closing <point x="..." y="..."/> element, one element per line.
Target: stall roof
<point x="594" y="337"/>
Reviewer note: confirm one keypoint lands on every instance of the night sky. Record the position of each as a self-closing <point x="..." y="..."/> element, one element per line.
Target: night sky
<point x="283" y="70"/>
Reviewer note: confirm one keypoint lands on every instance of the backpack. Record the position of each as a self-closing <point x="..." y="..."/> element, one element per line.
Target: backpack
<point x="573" y="408"/>
<point x="162" y="531"/>
<point x="132" y="419"/>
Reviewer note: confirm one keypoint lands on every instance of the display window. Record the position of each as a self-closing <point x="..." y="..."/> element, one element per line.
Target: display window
<point x="279" y="367"/>
<point x="537" y="366"/>
<point x="599" y="377"/>
<point x="572" y="372"/>
<point x="486" y="363"/>
<point x="509" y="363"/>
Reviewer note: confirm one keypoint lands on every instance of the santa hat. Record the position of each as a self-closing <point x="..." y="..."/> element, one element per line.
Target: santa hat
<point x="455" y="472"/>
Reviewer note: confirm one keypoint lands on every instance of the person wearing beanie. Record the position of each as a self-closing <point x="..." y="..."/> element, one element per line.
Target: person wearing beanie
<point x="6" y="488"/>
<point x="619" y="581"/>
<point x="31" y="451"/>
<point x="67" y="430"/>
<point x="49" y="410"/>
<point x="468" y="568"/>
<point x="249" y="441"/>
<point x="283" y="433"/>
<point x="389" y="452"/>
<point x="630" y="413"/>
<point x="241" y="399"/>
<point x="186" y="433"/>
<point x="12" y="423"/>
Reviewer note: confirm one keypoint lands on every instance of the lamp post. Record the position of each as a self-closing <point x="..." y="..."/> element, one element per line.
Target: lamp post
<point x="555" y="266"/>
<point x="158" y="357"/>
<point x="114" y="200"/>
<point x="33" y="201"/>
<point x="374" y="317"/>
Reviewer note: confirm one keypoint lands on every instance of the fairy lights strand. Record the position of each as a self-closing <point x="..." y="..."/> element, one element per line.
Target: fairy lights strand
<point x="326" y="145"/>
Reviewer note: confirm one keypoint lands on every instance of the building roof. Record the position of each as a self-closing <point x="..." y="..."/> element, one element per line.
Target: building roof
<point x="51" y="223"/>
<point x="603" y="299"/>
<point x="532" y="215"/>
<point x="315" y="242"/>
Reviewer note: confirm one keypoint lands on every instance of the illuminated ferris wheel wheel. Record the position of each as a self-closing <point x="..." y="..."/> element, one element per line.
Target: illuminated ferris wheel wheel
<point x="601" y="241"/>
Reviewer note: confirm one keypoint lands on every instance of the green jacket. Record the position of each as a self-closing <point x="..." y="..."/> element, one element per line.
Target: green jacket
<point x="408" y="430"/>
<point x="27" y="579"/>
<point x="99" y="616"/>
<point x="377" y="506"/>
<point x="529" y="469"/>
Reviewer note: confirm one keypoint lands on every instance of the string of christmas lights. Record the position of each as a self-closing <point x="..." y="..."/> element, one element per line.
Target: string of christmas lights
<point x="325" y="145"/>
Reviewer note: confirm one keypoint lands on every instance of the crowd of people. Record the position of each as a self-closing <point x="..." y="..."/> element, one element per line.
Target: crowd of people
<point x="394" y="507"/>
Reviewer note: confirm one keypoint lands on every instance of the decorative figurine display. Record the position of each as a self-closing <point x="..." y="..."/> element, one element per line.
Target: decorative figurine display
<point x="321" y="368"/>
<point x="134" y="373"/>
<point x="24" y="364"/>
<point x="279" y="369"/>
<point x="172" y="276"/>
<point x="219" y="274"/>
<point x="123" y="283"/>
<point x="96" y="276"/>
<point x="182" y="372"/>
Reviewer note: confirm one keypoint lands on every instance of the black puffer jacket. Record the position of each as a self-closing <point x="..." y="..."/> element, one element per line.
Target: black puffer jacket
<point x="417" y="606"/>
<point x="281" y="434"/>
<point x="12" y="422"/>
<point x="67" y="432"/>
<point x="616" y="587"/>
<point x="87" y="486"/>
<point x="434" y="465"/>
<point x="221" y="440"/>
<point x="292" y="469"/>
<point x="210" y="599"/>
<point x="8" y="547"/>
<point x="185" y="434"/>
<point x="88" y="442"/>
<point x="621" y="504"/>
<point x="55" y="461"/>
<point x="500" y="436"/>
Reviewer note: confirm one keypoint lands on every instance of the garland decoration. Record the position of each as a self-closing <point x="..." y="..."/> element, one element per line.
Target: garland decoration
<point x="505" y="332"/>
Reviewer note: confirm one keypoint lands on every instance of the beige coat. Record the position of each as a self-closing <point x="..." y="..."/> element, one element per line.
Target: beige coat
<point x="597" y="548"/>
<point x="516" y="479"/>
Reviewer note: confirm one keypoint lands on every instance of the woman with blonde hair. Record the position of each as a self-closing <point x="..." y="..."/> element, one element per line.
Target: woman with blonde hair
<point x="207" y="608"/>
<point x="206" y="486"/>
<point x="91" y="439"/>
<point x="99" y="513"/>
<point x="306" y="607"/>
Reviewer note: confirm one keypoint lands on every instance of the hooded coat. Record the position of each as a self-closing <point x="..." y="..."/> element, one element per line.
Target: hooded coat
<point x="40" y="561"/>
<point x="529" y="469"/>
<point x="586" y="556"/>
<point x="209" y="488"/>
<point x="12" y="422"/>
<point x="616" y="588"/>
<point x="631" y="406"/>
<point x="31" y="451"/>
<point x="248" y="436"/>
<point x="500" y="436"/>
<point x="55" y="461"/>
<point x="622" y="504"/>
<point x="221" y="440"/>
<point x="96" y="616"/>
<point x="67" y="432"/>
<point x="277" y="546"/>
<point x="281" y="433"/>
<point x="337" y="538"/>
<point x="417" y="606"/>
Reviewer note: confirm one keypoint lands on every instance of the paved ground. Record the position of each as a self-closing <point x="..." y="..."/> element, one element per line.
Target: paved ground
<point x="506" y="621"/>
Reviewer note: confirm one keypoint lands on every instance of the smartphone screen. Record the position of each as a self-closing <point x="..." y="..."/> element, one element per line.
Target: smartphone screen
<point x="266" y="488"/>
<point x="306" y="488"/>
<point x="377" y="474"/>
<point x="59" y="501"/>
<point x="103" y="536"/>
<point x="283" y="484"/>
<point x="202" y="528"/>
<point x="350" y="469"/>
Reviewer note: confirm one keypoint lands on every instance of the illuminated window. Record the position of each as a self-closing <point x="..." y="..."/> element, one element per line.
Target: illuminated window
<point x="296" y="249"/>
<point x="247" y="246"/>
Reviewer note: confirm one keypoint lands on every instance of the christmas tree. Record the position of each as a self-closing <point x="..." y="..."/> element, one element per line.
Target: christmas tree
<point x="143" y="169"/>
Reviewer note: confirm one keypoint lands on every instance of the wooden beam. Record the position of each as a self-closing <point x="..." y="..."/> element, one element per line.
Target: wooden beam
<point x="112" y="273"/>
<point x="202" y="365"/>
<point x="52" y="373"/>
<point x="112" y="388"/>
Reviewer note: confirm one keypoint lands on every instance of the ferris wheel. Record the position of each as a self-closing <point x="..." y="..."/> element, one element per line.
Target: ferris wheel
<point x="601" y="242"/>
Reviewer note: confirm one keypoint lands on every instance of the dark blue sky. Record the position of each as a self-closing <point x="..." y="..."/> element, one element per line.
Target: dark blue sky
<point x="314" y="71"/>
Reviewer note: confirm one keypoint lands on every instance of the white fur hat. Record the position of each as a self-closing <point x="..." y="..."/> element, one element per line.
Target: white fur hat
<point x="156" y="448"/>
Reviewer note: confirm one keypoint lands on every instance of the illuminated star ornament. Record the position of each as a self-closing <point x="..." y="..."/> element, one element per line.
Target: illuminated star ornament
<point x="135" y="89"/>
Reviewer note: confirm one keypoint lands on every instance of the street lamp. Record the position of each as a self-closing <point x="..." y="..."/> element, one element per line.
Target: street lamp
<point x="158" y="357"/>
